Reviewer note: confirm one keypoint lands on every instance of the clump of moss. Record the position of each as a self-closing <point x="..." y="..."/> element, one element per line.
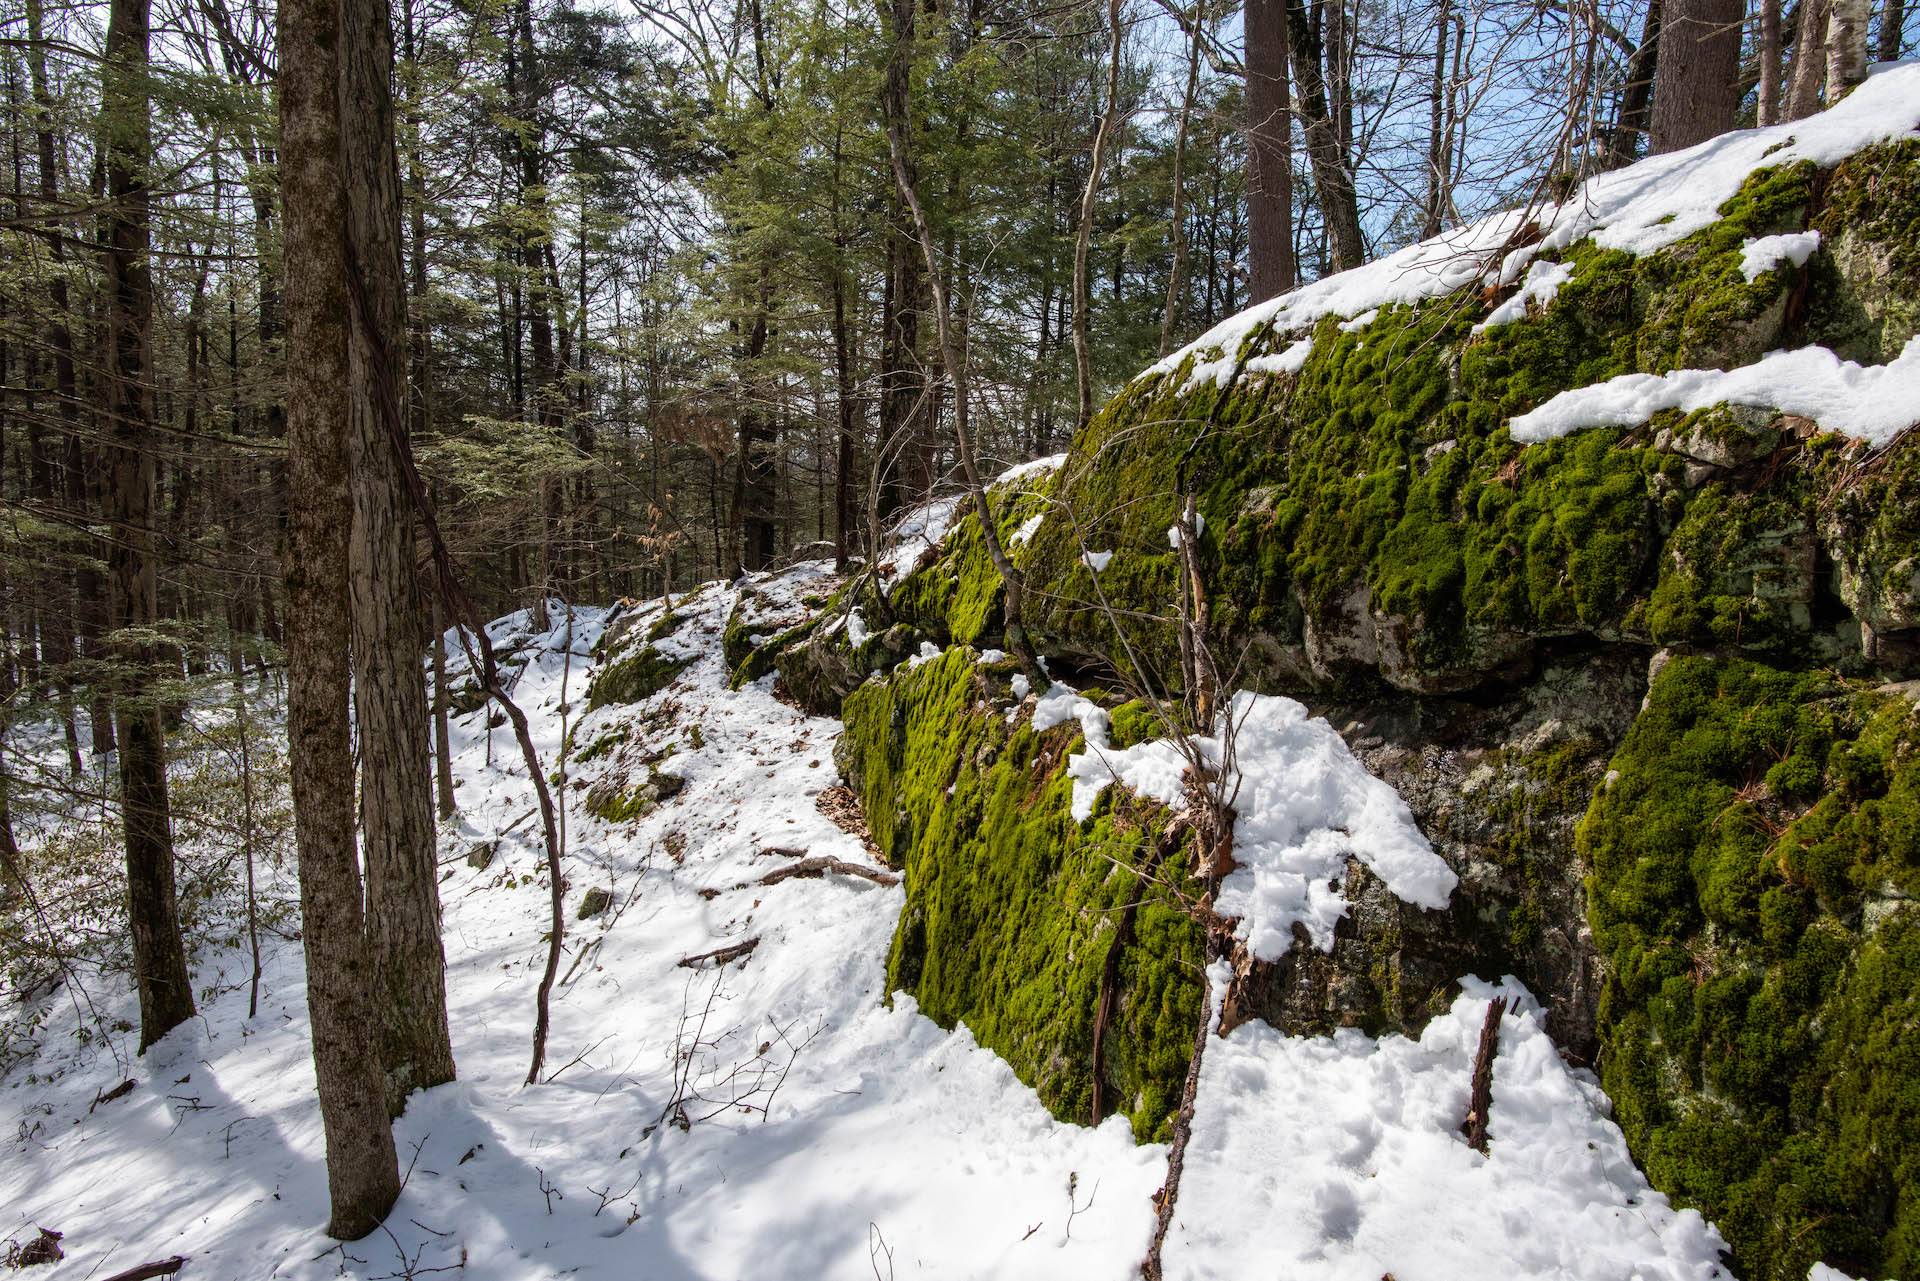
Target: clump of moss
<point x="1751" y="865"/>
<point x="1869" y="302"/>
<point x="1012" y="907"/>
<point x="644" y="672"/>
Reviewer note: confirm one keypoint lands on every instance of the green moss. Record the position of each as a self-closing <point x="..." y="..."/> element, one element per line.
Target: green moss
<point x="1012" y="907"/>
<point x="644" y="672"/>
<point x="1868" y="304"/>
<point x="1749" y="867"/>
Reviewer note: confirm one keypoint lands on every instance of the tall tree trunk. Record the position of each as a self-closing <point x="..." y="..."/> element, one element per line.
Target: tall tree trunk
<point x="1636" y="97"/>
<point x="1269" y="150"/>
<point x="159" y="957"/>
<point x="1767" y="93"/>
<point x="1332" y="178"/>
<point x="363" y="1175"/>
<point x="442" y="745"/>
<point x="1697" y="93"/>
<point x="389" y="685"/>
<point x="1177" y="215"/>
<point x="1893" y="17"/>
<point x="1846" y="47"/>
<point x="1439" y="129"/>
<point x="1083" y="226"/>
<point x="1809" y="60"/>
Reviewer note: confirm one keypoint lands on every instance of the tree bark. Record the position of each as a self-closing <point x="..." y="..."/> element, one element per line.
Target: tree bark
<point x="159" y="957"/>
<point x="1636" y="97"/>
<point x="1177" y="216"/>
<point x="363" y="1175"/>
<point x="1439" y="130"/>
<point x="389" y="685"/>
<point x="1893" y="18"/>
<point x="1269" y="152"/>
<point x="1332" y="180"/>
<point x="1767" y="94"/>
<point x="1697" y="93"/>
<point x="1809" y="60"/>
<point x="1846" y="47"/>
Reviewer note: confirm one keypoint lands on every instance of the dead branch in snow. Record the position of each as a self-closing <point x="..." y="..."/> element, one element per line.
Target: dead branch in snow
<point x="147" y="1271"/>
<point x="1481" y="1101"/>
<point x="820" y="865"/>
<point x="720" y="955"/>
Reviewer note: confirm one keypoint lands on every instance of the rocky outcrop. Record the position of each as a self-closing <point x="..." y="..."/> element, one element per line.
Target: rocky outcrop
<point x="1638" y="685"/>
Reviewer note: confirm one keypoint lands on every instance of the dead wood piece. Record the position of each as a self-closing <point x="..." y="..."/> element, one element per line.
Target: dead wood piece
<point x="44" y="1248"/>
<point x="1481" y="1103"/>
<point x="819" y="865"/>
<point x="721" y="955"/>
<point x="119" y="1091"/>
<point x="147" y="1271"/>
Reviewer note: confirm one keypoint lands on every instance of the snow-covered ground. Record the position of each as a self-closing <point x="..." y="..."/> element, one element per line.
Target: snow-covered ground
<point x="825" y="1133"/>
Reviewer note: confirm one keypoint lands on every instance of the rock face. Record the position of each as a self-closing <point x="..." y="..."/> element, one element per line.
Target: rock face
<point x="1634" y="683"/>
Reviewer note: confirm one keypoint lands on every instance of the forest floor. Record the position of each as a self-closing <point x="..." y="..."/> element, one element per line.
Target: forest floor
<point x="772" y="1116"/>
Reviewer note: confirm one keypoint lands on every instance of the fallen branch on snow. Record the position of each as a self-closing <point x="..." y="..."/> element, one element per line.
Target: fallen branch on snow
<point x="720" y="955"/>
<point x="819" y="865"/>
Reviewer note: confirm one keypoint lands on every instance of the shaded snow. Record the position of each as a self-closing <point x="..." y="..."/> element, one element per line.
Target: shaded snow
<point x="1339" y="1158"/>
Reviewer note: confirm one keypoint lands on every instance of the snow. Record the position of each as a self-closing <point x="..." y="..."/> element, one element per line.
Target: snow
<point x="1542" y="282"/>
<point x="1873" y="403"/>
<point x="1360" y="321"/>
<point x="886" y="1135"/>
<point x="1340" y="1157"/>
<point x="919" y="530"/>
<point x="1097" y="561"/>
<point x="1761" y="255"/>
<point x="1290" y="361"/>
<point x="1641" y="209"/>
<point x="1028" y="528"/>
<point x="1028" y="470"/>
<point x="1305" y="805"/>
<point x="1199" y="528"/>
<point x="828" y="1134"/>
<point x="856" y="628"/>
<point x="928" y="652"/>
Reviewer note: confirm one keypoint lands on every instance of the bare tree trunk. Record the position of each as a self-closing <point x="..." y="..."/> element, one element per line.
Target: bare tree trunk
<point x="1332" y="179"/>
<point x="1636" y="97"/>
<point x="1083" y="226"/>
<point x="1846" y="47"/>
<point x="1439" y="129"/>
<point x="363" y="1175"/>
<point x="1269" y="149"/>
<point x="1177" y="216"/>
<point x="1697" y="93"/>
<point x="1767" y="107"/>
<point x="442" y="747"/>
<point x="389" y="686"/>
<point x="159" y="957"/>
<point x="1893" y="17"/>
<point x="1809" y="60"/>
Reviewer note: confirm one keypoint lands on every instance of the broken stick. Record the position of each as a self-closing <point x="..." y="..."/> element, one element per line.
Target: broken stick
<point x="1481" y="1102"/>
<point x="721" y="955"/>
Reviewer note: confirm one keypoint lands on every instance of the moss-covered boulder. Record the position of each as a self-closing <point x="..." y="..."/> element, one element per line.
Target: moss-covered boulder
<point x="1754" y="859"/>
<point x="1042" y="935"/>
